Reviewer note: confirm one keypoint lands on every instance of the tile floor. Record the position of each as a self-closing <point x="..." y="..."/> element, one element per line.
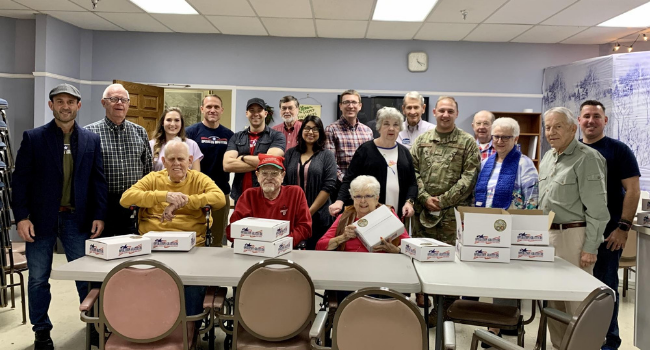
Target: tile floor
<point x="68" y="332"/>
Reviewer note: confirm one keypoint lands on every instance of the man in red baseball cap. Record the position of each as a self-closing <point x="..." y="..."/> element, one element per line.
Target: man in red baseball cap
<point x="273" y="201"/>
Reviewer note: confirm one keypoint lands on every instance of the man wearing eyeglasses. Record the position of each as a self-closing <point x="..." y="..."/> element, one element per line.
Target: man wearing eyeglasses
<point x="345" y="135"/>
<point x="271" y="200"/>
<point x="482" y="125"/>
<point x="244" y="148"/>
<point x="126" y="153"/>
<point x="289" y="108"/>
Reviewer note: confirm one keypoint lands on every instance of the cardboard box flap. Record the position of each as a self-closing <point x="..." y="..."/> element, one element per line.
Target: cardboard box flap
<point x="477" y="210"/>
<point x="551" y="214"/>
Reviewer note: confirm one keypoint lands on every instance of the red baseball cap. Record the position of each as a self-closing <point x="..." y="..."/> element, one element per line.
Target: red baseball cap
<point x="266" y="159"/>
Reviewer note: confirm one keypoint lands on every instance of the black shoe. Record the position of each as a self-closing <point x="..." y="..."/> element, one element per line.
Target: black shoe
<point x="94" y="336"/>
<point x="510" y="332"/>
<point x="42" y="341"/>
<point x="486" y="345"/>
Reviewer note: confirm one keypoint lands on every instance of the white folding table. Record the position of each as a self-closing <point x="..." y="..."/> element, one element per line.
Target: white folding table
<point x="207" y="266"/>
<point x="642" y="288"/>
<point x="558" y="280"/>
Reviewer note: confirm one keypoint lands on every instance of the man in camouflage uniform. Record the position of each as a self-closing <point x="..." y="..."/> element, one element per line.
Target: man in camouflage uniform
<point x="446" y="162"/>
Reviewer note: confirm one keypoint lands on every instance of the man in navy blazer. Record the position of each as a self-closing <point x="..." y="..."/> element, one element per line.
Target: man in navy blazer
<point x="59" y="190"/>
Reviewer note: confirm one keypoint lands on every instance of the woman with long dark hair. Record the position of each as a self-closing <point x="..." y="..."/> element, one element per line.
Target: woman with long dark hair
<point x="170" y="126"/>
<point x="313" y="168"/>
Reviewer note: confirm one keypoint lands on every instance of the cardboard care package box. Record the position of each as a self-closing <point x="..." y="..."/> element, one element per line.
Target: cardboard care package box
<point x="167" y="241"/>
<point x="532" y="253"/>
<point x="643" y="218"/>
<point x="118" y="247"/>
<point x="530" y="227"/>
<point x="261" y="237"/>
<point x="428" y="249"/>
<point x="483" y="227"/>
<point x="381" y="222"/>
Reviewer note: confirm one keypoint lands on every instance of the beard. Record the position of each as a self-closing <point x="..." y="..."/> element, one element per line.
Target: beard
<point x="269" y="188"/>
<point x="289" y="119"/>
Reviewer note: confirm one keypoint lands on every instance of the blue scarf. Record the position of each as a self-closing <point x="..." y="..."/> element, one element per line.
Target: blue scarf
<point x="505" y="183"/>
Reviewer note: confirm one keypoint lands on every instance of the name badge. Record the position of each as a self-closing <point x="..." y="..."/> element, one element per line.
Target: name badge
<point x="406" y="141"/>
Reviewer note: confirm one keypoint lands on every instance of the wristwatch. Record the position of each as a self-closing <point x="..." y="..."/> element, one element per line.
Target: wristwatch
<point x="410" y="201"/>
<point x="624" y="225"/>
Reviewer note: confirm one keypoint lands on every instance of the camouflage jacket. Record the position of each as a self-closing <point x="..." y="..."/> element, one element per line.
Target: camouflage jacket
<point x="446" y="166"/>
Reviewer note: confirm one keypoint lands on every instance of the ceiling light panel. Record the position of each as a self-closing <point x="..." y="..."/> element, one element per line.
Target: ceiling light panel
<point x="638" y="17"/>
<point x="178" y="7"/>
<point x="403" y="10"/>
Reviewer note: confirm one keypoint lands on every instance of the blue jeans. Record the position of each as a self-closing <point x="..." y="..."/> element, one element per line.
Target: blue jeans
<point x="606" y="270"/>
<point x="39" y="262"/>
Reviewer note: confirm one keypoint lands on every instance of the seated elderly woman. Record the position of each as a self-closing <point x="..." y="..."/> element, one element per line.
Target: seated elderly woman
<point x="341" y="236"/>
<point x="508" y="179"/>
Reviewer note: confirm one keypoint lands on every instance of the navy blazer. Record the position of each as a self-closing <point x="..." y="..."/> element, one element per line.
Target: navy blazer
<point x="38" y="179"/>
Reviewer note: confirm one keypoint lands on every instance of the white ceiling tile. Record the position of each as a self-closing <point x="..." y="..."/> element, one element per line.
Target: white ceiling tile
<point x="496" y="32"/>
<point x="109" y="6"/>
<point x="341" y="29"/>
<point x="444" y="31"/>
<point x="10" y="5"/>
<point x="20" y="14"/>
<point x="290" y="27"/>
<point x="599" y="35"/>
<point x="528" y="11"/>
<point x="85" y="20"/>
<point x="592" y="12"/>
<point x="223" y="7"/>
<point x="392" y="30"/>
<point x="51" y="5"/>
<point x="136" y="22"/>
<point x="238" y="25"/>
<point x="448" y="11"/>
<point x="282" y="8"/>
<point x="547" y="34"/>
<point x="186" y="23"/>
<point x="343" y="9"/>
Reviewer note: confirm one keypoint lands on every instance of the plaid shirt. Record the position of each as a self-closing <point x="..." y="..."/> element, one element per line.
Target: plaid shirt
<point x="487" y="151"/>
<point x="126" y="153"/>
<point x="343" y="139"/>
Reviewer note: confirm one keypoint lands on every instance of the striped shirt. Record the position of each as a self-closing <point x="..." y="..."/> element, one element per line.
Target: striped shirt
<point x="343" y="139"/>
<point x="126" y="153"/>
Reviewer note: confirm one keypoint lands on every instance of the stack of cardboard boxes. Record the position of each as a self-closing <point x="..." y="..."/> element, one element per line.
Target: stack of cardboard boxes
<point x="428" y="249"/>
<point x="483" y="234"/>
<point x="530" y="237"/>
<point x="261" y="237"/>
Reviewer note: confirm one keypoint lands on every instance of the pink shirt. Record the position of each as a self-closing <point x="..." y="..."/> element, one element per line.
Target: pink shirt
<point x="291" y="135"/>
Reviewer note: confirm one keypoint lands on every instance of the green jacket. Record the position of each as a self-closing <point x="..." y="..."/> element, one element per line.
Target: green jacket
<point x="446" y="166"/>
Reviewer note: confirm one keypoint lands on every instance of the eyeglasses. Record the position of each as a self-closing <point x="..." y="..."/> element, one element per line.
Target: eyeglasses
<point x="287" y="108"/>
<point x="269" y="173"/>
<point x="308" y="130"/>
<point x="366" y="197"/>
<point x="349" y="103"/>
<point x="117" y="99"/>
<point x="503" y="138"/>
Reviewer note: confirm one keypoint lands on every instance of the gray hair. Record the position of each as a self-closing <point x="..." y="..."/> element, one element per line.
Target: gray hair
<point x="365" y="182"/>
<point x="492" y="117"/>
<point x="508" y="124"/>
<point x="415" y="95"/>
<point x="389" y="113"/>
<point x="563" y="111"/>
<point x="175" y="142"/>
<point x="105" y="94"/>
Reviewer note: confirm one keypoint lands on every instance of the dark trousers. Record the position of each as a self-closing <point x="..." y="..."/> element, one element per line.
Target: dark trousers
<point x="39" y="262"/>
<point x="118" y="219"/>
<point x="606" y="270"/>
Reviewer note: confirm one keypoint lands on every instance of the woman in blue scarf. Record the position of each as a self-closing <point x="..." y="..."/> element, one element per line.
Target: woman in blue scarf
<point x="508" y="180"/>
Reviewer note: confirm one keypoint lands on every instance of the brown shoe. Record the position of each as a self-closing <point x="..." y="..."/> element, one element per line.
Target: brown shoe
<point x="419" y="299"/>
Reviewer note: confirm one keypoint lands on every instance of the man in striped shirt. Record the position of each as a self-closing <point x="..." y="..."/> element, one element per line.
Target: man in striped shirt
<point x="345" y="135"/>
<point x="126" y="153"/>
<point x="482" y="125"/>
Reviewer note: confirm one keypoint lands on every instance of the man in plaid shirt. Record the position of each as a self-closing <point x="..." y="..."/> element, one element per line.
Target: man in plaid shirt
<point x="344" y="136"/>
<point x="482" y="125"/>
<point x="126" y="153"/>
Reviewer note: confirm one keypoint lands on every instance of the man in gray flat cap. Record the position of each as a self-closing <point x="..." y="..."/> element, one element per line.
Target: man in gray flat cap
<point x="59" y="190"/>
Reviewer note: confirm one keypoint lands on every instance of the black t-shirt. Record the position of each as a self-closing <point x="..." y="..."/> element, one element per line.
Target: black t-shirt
<point x="213" y="144"/>
<point x="621" y="164"/>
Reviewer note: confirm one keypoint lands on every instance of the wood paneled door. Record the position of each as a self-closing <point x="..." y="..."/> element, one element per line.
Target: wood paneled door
<point x="146" y="105"/>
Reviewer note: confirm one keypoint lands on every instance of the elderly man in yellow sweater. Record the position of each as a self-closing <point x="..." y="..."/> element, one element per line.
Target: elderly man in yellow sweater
<point x="171" y="199"/>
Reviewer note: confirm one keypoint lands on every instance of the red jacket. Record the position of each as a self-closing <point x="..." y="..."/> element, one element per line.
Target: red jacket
<point x="291" y="205"/>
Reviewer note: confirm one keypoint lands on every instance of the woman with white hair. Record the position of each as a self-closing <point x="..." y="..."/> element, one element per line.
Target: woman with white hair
<point x="342" y="236"/>
<point x="389" y="162"/>
<point x="508" y="179"/>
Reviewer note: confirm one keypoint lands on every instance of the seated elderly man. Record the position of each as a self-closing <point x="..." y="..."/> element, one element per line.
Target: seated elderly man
<point x="273" y="201"/>
<point x="171" y="199"/>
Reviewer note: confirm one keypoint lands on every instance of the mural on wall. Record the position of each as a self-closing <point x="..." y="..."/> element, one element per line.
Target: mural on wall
<point x="622" y="84"/>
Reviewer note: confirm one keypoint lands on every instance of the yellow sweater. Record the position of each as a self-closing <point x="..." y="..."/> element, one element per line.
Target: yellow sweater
<point x="150" y="194"/>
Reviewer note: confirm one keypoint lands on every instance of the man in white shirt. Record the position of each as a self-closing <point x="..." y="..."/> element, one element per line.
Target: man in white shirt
<point x="413" y="107"/>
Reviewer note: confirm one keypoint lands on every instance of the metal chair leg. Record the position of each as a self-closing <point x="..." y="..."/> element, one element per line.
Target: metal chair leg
<point x="22" y="295"/>
<point x="625" y="277"/>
